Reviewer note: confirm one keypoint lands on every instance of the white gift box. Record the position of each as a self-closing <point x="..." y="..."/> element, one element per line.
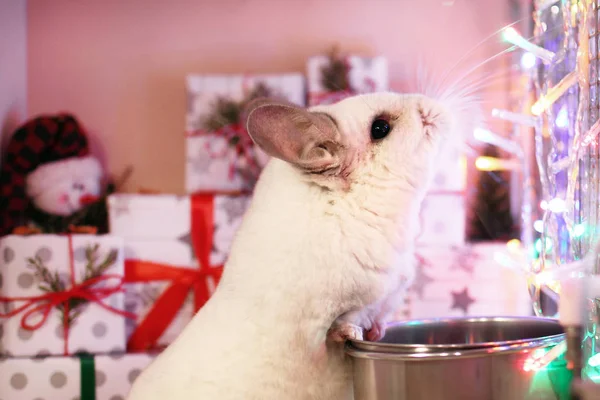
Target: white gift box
<point x="210" y="155"/>
<point x="158" y="229"/>
<point x="93" y="328"/>
<point x="164" y="216"/>
<point x="365" y="75"/>
<point x="451" y="171"/>
<point x="466" y="280"/>
<point x="443" y="219"/>
<point x="60" y="378"/>
<point x="141" y="297"/>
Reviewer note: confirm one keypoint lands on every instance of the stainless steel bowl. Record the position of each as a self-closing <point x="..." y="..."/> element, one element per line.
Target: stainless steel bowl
<point x="457" y="358"/>
<point x="435" y="335"/>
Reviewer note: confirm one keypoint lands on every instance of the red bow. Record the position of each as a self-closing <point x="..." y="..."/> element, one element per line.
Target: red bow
<point x="236" y="137"/>
<point x="182" y="279"/>
<point x="44" y="304"/>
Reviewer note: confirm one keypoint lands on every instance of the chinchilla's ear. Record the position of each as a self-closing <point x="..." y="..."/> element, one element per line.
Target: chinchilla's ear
<point x="307" y="140"/>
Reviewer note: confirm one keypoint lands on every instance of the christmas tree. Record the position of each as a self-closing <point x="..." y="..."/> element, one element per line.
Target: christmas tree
<point x="491" y="218"/>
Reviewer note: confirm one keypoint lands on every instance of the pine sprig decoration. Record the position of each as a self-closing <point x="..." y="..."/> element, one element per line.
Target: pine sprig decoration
<point x="334" y="75"/>
<point x="51" y="282"/>
<point x="227" y="111"/>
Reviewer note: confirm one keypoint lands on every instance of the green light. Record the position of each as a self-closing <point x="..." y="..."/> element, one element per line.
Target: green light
<point x="538" y="245"/>
<point x="594" y="360"/>
<point x="578" y="230"/>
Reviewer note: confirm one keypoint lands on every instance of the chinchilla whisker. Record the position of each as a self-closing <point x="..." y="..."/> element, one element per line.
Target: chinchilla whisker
<point x="472" y="50"/>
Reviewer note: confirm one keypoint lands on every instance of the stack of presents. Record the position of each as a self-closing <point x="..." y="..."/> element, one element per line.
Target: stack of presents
<point x="83" y="311"/>
<point x="454" y="277"/>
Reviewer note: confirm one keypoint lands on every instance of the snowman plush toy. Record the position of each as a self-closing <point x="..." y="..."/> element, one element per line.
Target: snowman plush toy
<point x="48" y="179"/>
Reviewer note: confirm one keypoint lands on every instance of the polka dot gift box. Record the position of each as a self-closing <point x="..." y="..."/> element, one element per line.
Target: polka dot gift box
<point x="175" y="247"/>
<point x="100" y="377"/>
<point x="60" y="294"/>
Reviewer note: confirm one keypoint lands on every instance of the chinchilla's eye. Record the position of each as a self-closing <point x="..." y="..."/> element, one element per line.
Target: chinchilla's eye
<point x="380" y="129"/>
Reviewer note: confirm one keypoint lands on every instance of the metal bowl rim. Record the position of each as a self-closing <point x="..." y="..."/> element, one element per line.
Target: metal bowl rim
<point x="549" y="341"/>
<point x="406" y="347"/>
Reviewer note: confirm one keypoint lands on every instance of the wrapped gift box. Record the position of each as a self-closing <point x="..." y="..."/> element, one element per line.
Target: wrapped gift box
<point x="443" y="219"/>
<point x="364" y="75"/>
<point x="220" y="154"/>
<point x="42" y="273"/>
<point x="141" y="297"/>
<point x="465" y="280"/>
<point x="108" y="377"/>
<point x="166" y="216"/>
<point x="175" y="247"/>
<point x="451" y="171"/>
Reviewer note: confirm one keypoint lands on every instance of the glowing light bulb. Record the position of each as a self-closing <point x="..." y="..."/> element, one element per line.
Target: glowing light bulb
<point x="538" y="226"/>
<point x="578" y="230"/>
<point x="557" y="205"/>
<point x="544" y="205"/>
<point x="511" y="35"/>
<point x="594" y="360"/>
<point x="484" y="163"/>
<point x="562" y="119"/>
<point x="554" y="93"/>
<point x="528" y="60"/>
<point x="544" y="4"/>
<point x="538" y="107"/>
<point x="541" y="359"/>
<point x="513" y="245"/>
<point x="514" y="117"/>
<point x="485" y="136"/>
<point x="538" y="245"/>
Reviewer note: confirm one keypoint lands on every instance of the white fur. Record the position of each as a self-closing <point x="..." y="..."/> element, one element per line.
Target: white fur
<point x="311" y="253"/>
<point x="58" y="186"/>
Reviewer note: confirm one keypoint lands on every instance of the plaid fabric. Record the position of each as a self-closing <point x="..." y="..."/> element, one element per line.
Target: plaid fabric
<point x="41" y="140"/>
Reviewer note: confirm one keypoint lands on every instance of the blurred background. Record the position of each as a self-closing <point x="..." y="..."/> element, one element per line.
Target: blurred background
<point x="120" y="66"/>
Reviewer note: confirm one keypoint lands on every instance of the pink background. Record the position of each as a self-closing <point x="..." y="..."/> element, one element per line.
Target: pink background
<point x="120" y="65"/>
<point x="13" y="66"/>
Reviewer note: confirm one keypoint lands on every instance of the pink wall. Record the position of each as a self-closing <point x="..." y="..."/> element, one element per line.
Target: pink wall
<point x="120" y="65"/>
<point x="13" y="66"/>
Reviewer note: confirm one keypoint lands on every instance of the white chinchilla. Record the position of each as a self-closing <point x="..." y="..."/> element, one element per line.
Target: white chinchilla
<point x="324" y="252"/>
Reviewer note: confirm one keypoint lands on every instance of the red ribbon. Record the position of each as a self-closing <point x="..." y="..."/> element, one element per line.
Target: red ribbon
<point x="243" y="146"/>
<point x="44" y="304"/>
<point x="182" y="279"/>
<point x="238" y="140"/>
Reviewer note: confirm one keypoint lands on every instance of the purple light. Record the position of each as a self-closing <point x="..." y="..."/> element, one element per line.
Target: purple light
<point x="562" y="119"/>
